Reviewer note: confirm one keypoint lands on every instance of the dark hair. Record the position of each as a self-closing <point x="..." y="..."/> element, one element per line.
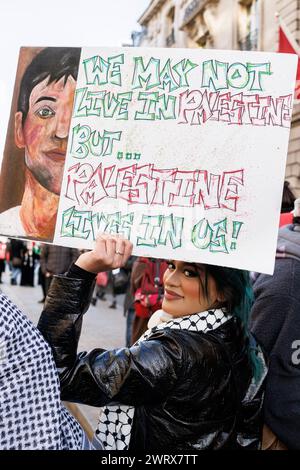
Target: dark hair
<point x="288" y="198"/>
<point x="237" y="299"/>
<point x="52" y="62"/>
<point x="230" y="282"/>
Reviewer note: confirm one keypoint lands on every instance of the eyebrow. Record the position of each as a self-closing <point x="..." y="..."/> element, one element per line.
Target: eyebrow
<point x="189" y="264"/>
<point x="185" y="263"/>
<point x="47" y="98"/>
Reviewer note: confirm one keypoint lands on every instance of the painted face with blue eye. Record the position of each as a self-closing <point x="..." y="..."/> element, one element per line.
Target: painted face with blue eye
<point x="183" y="291"/>
<point x="44" y="134"/>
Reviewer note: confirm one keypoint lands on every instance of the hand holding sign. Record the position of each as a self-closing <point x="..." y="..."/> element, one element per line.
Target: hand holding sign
<point x="110" y="252"/>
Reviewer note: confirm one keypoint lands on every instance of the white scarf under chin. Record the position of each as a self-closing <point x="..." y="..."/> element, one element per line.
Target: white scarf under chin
<point x="114" y="428"/>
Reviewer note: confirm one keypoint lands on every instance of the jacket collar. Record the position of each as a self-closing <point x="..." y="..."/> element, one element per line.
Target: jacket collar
<point x="203" y="321"/>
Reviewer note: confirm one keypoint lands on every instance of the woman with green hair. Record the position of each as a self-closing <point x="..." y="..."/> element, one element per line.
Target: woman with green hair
<point x="191" y="382"/>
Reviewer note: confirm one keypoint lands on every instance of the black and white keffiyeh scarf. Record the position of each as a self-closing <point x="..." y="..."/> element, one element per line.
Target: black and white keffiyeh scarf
<point x="31" y="414"/>
<point x="114" y="428"/>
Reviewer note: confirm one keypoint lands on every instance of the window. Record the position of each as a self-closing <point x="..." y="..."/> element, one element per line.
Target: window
<point x="170" y="39"/>
<point x="248" y="25"/>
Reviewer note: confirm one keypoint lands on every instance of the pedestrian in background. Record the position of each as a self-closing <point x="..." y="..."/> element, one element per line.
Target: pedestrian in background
<point x="56" y="260"/>
<point x="100" y="287"/>
<point x="28" y="265"/>
<point x="16" y="250"/>
<point x="2" y="258"/>
<point x="128" y="306"/>
<point x="275" y="322"/>
<point x="287" y="205"/>
<point x="147" y="290"/>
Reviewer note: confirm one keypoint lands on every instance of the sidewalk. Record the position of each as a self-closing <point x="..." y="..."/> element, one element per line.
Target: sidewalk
<point x="102" y="327"/>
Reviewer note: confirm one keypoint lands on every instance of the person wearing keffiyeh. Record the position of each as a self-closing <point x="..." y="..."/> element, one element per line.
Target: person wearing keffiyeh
<point x="32" y="416"/>
<point x="193" y="381"/>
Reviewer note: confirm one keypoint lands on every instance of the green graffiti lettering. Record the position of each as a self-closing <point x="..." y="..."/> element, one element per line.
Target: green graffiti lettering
<point x="256" y="72"/>
<point x="123" y="100"/>
<point x="219" y="75"/>
<point x="166" y="78"/>
<point x="182" y="68"/>
<point x="85" y="141"/>
<point x="236" y="227"/>
<point x="101" y="145"/>
<point x="99" y="71"/>
<point x="214" y="74"/>
<point x="87" y="103"/>
<point x="171" y="231"/>
<point x="114" y="223"/>
<point x="215" y="236"/>
<point x="148" y="74"/>
<point x="101" y="103"/>
<point x="152" y="223"/>
<point x="165" y="108"/>
<point x="148" y="112"/>
<point x="76" y="224"/>
<point x="79" y="139"/>
<point x="218" y="239"/>
<point x="96" y="70"/>
<point x="201" y="234"/>
<point x="110" y="105"/>
<point x="237" y="75"/>
<point x="115" y="70"/>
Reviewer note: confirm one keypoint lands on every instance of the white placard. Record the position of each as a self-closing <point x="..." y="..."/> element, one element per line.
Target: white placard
<point x="181" y="150"/>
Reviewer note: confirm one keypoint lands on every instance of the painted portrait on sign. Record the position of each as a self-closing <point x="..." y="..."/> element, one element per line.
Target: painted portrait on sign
<point x="36" y="145"/>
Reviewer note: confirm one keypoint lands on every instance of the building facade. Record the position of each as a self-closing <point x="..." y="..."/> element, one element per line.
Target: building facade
<point x="225" y="24"/>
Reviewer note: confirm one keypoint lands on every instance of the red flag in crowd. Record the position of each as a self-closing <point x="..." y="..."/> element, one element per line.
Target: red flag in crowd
<point x="288" y="44"/>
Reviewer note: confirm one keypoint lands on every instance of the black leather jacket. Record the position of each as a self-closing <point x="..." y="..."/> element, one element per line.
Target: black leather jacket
<point x="186" y="386"/>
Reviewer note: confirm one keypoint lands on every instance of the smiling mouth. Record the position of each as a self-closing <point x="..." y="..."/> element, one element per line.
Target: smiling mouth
<point x="170" y="295"/>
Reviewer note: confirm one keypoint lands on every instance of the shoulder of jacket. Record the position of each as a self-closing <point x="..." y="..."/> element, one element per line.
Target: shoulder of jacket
<point x="187" y="341"/>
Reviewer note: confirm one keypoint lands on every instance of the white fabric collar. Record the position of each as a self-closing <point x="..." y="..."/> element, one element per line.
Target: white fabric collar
<point x="202" y="321"/>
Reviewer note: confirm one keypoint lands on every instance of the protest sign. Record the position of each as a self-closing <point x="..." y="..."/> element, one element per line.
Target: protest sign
<point x="181" y="150"/>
